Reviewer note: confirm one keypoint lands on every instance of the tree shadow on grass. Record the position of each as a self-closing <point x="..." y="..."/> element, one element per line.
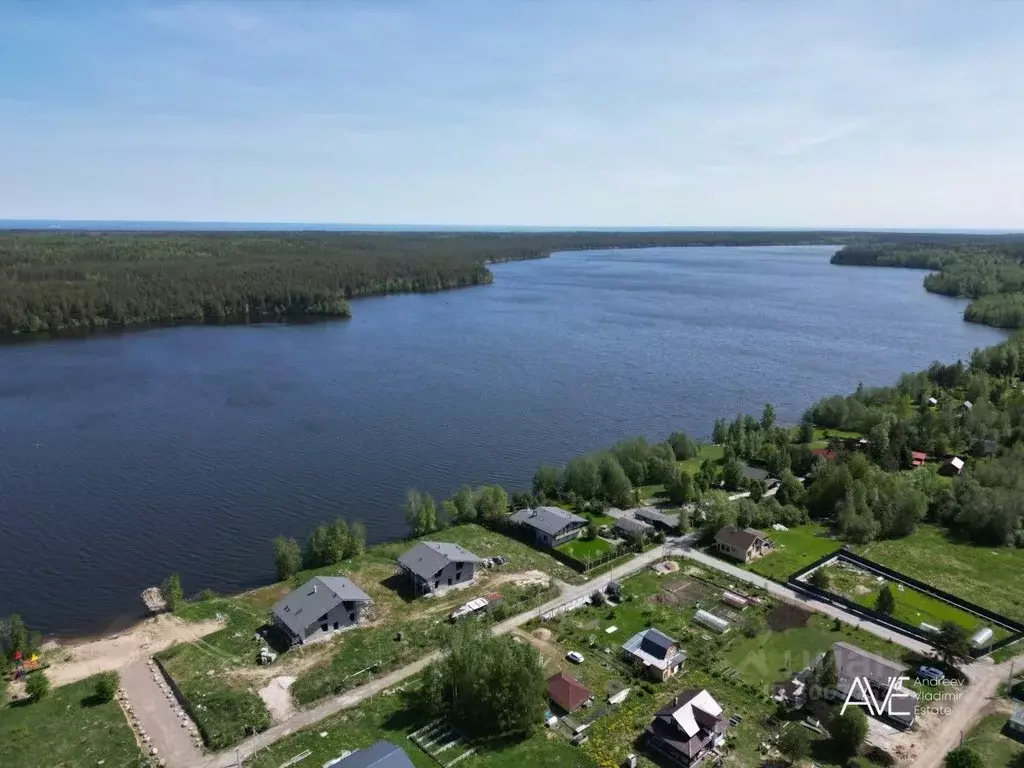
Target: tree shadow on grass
<point x="92" y="700"/>
<point x="21" y="703"/>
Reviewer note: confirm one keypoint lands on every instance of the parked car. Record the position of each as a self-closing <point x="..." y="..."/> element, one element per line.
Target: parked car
<point x="575" y="657"/>
<point x="930" y="673"/>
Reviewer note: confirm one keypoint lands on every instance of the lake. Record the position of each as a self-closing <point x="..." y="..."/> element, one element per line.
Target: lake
<point x="124" y="457"/>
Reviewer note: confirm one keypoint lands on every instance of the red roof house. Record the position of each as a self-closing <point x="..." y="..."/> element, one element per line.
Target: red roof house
<point x="917" y="458"/>
<point x="568" y="692"/>
<point x="826" y="453"/>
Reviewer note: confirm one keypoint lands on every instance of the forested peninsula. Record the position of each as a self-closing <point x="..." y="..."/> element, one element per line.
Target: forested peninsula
<point x="990" y="273"/>
<point x="54" y="282"/>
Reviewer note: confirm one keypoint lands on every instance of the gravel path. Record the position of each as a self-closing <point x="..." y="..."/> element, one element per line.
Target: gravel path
<point x="159" y="716"/>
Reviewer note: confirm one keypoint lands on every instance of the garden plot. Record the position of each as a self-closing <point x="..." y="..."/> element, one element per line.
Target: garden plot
<point x="690" y="592"/>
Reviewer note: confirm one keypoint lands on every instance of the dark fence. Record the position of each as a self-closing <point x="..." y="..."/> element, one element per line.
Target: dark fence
<point x="1015" y="628"/>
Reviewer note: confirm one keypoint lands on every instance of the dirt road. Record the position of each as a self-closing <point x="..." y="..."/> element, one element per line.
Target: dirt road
<point x="113" y="653"/>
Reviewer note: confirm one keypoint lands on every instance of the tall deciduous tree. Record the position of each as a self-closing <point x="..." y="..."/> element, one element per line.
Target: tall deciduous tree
<point x="952" y="643"/>
<point x="795" y="744"/>
<point x="173" y="593"/>
<point x="849" y="730"/>
<point x="615" y="485"/>
<point x="487" y="685"/>
<point x="546" y="482"/>
<point x="461" y="507"/>
<point x="491" y="503"/>
<point x="421" y="512"/>
<point x="682" y="446"/>
<point x="287" y="557"/>
<point x="767" y="417"/>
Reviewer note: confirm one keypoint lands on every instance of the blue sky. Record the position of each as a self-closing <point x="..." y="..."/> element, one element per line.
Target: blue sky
<point x="519" y="112"/>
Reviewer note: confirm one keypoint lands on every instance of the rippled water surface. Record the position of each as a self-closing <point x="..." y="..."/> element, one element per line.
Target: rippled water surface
<point x="124" y="457"/>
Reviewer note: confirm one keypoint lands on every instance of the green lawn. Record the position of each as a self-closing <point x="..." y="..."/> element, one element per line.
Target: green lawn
<point x="912" y="606"/>
<point x="774" y="656"/>
<point x="707" y="451"/>
<point x="997" y="750"/>
<point x="986" y="576"/>
<point x="795" y="548"/>
<point x="67" y="729"/>
<point x="582" y="549"/>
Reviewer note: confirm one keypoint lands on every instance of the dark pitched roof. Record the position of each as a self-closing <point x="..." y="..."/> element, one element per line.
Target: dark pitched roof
<point x="303" y="606"/>
<point x="550" y="520"/>
<point x="428" y="557"/>
<point x="567" y="692"/>
<point x="651" y="515"/>
<point x="740" y="539"/>
<point x="688" y="722"/>
<point x="383" y="754"/>
<point x="629" y="525"/>
<point x="755" y="473"/>
<point x="652" y="647"/>
<point x="853" y="662"/>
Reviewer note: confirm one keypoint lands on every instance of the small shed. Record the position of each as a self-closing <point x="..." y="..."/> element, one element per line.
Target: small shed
<point x="918" y="458"/>
<point x="952" y="466"/>
<point x="967" y="405"/>
<point x="1015" y="725"/>
<point x="932" y="401"/>
<point x="568" y="692"/>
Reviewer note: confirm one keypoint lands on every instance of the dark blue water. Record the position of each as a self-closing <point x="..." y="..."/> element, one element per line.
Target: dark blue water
<point x="126" y="457"/>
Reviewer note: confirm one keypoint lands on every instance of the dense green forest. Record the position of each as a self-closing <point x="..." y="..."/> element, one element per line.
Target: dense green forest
<point x="57" y="281"/>
<point x="990" y="273"/>
<point x="978" y="413"/>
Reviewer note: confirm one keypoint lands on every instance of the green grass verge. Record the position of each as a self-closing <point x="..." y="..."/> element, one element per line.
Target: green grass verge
<point x="67" y="729"/>
<point x="794" y="549"/>
<point x="997" y="750"/>
<point x="989" y="577"/>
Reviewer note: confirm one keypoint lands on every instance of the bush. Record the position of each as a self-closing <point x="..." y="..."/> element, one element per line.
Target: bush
<point x="107" y="684"/>
<point x="964" y="757"/>
<point x="37" y="685"/>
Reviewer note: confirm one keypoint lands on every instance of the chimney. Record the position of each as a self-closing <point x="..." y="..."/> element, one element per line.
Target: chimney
<point x="675" y="701"/>
<point x="314" y="588"/>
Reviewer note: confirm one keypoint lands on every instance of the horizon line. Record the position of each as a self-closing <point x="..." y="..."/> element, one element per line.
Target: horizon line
<point x="213" y="225"/>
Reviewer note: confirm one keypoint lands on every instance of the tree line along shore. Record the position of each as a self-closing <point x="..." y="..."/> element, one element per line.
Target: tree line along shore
<point x="58" y="282"/>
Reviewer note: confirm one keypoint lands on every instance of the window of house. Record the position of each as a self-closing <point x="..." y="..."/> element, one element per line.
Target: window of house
<point x="352" y="616"/>
<point x="337" y="625"/>
<point x="323" y="627"/>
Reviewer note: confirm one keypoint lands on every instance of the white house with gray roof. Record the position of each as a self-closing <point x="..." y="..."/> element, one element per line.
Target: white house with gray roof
<point x="433" y="566"/>
<point x="551" y="526"/>
<point x="320" y="607"/>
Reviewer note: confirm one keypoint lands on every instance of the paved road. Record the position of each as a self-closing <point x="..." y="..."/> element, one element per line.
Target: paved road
<point x="356" y="696"/>
<point x="158" y="715"/>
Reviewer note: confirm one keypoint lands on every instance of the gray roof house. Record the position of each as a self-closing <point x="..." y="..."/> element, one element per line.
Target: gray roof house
<point x="654" y="651"/>
<point x="853" y="663"/>
<point x="656" y="518"/>
<point x="319" y="607"/>
<point x="433" y="566"/>
<point x="550" y="525"/>
<point x="383" y="754"/>
<point x="634" y="529"/>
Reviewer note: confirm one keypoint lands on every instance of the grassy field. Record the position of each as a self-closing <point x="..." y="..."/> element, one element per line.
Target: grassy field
<point x="795" y="548"/>
<point x="985" y="576"/>
<point x="774" y="656"/>
<point x="67" y="729"/>
<point x="221" y="679"/>
<point x="912" y="606"/>
<point x="996" y="749"/>
<point x="582" y="549"/>
<point x="707" y="451"/>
